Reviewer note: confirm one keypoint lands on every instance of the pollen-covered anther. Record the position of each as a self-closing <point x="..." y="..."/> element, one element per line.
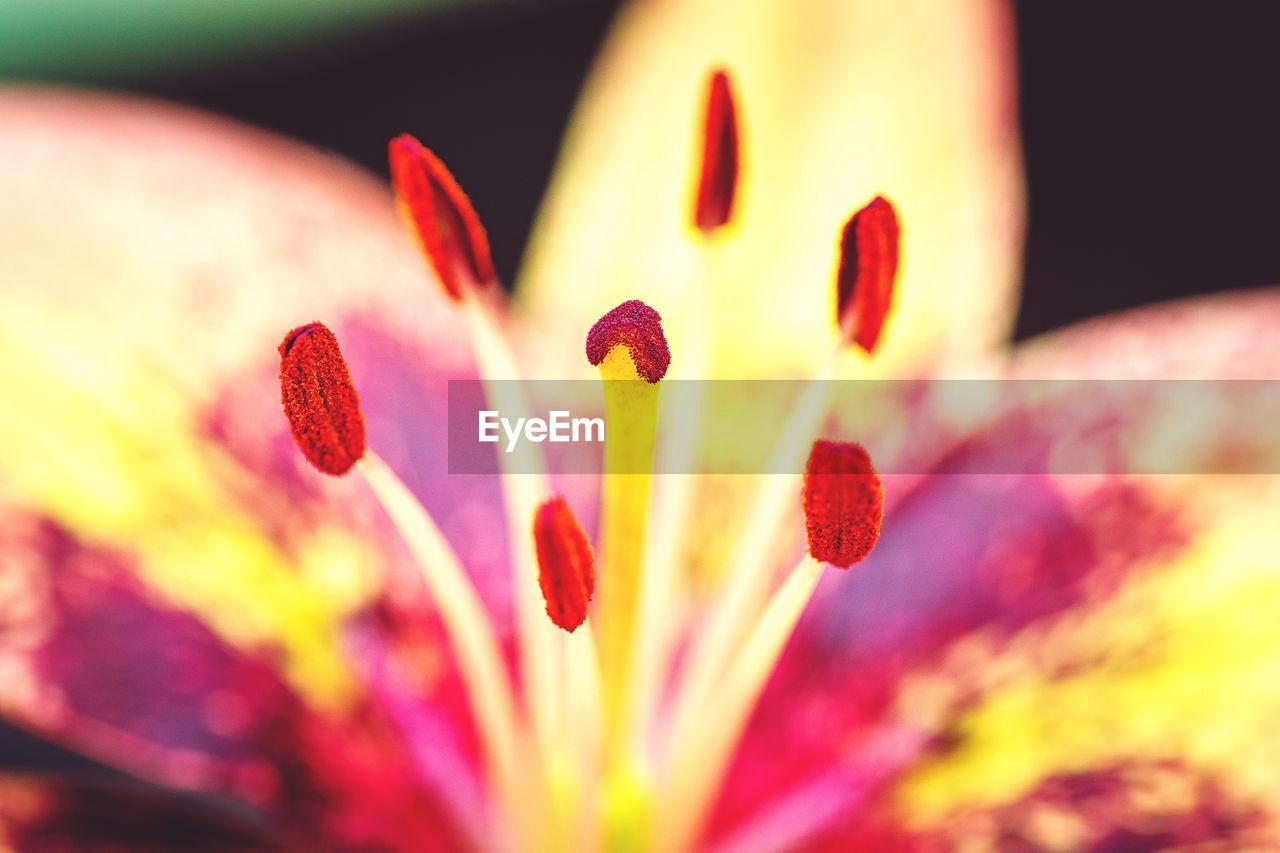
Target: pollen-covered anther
<point x="637" y="327"/>
<point x="320" y="400"/>
<point x="843" y="503"/>
<point x="440" y="216"/>
<point x="868" y="268"/>
<point x="566" y="563"/>
<point x="718" y="177"/>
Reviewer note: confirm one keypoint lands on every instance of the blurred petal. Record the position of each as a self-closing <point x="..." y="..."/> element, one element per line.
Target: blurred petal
<point x="151" y="260"/>
<point x="838" y="101"/>
<point x="1180" y="664"/>
<point x="1011" y="634"/>
<point x="91" y="660"/>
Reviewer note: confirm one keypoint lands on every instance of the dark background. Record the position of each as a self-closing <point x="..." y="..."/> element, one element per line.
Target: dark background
<point x="1151" y="134"/>
<point x="1151" y="130"/>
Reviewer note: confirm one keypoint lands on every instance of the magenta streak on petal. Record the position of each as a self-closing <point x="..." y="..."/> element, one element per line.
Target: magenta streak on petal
<point x="1001" y="552"/>
<point x="445" y="765"/>
<point x="798" y="815"/>
<point x="150" y="689"/>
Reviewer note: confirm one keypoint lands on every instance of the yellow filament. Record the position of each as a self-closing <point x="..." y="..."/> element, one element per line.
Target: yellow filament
<point x="469" y="629"/>
<point x="696" y="771"/>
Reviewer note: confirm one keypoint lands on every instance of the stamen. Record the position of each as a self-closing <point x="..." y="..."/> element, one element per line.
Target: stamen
<point x="566" y="564"/>
<point x="718" y="178"/>
<point x="561" y="675"/>
<point x="870" y="245"/>
<point x="320" y="400"/>
<point x="524" y="483"/>
<point x="868" y="266"/>
<point x="748" y="569"/>
<point x="843" y="503"/>
<point x="441" y="216"/>
<point x="455" y="245"/>
<point x="637" y="327"/>
<point x="323" y="408"/>
<point x="843" y="507"/>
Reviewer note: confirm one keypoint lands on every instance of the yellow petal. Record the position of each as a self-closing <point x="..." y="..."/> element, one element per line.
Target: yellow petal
<point x="838" y="100"/>
<point x="1181" y="665"/>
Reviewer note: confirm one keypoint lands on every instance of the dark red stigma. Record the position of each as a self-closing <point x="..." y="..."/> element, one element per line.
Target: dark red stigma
<point x="320" y="400"/>
<point x="718" y="178"/>
<point x="843" y="503"/>
<point x="566" y="564"/>
<point x="637" y="327"/>
<point x="868" y="267"/>
<point x="441" y="216"/>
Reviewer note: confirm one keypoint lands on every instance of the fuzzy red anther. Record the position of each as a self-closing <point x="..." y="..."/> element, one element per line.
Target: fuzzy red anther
<point x="718" y="177"/>
<point x="440" y="216"/>
<point x="843" y="503"/>
<point x="320" y="400"/>
<point x="566" y="563"/>
<point x="868" y="268"/>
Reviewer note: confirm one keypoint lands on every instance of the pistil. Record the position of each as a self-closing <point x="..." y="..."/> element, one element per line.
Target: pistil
<point x="629" y="347"/>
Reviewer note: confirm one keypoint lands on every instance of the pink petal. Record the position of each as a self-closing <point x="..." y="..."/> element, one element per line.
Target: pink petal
<point x="101" y="666"/>
<point x="971" y="577"/>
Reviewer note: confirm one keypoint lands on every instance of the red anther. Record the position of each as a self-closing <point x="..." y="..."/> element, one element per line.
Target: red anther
<point x="320" y="400"/>
<point x="637" y="327"/>
<point x="718" y="179"/>
<point x="566" y="564"/>
<point x="843" y="503"/>
<point x="868" y="266"/>
<point x="441" y="216"/>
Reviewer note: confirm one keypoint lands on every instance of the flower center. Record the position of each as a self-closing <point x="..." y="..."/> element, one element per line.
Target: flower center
<point x="610" y="735"/>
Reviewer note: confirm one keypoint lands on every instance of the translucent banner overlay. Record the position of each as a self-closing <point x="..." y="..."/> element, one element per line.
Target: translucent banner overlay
<point x="908" y="426"/>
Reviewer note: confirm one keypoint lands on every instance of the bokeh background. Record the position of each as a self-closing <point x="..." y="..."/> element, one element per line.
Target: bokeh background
<point x="1150" y="131"/>
<point x="1149" y="128"/>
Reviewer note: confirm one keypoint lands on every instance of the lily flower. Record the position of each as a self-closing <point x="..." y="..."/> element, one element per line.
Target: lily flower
<point x="297" y="630"/>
